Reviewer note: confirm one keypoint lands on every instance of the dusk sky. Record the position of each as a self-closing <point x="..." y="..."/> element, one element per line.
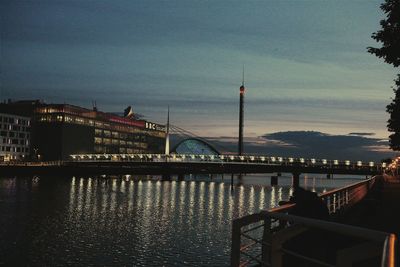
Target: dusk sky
<point x="307" y="67"/>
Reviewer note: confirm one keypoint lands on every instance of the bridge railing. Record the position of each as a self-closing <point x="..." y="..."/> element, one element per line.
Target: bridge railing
<point x="269" y="238"/>
<point x="32" y="163"/>
<point x="221" y="159"/>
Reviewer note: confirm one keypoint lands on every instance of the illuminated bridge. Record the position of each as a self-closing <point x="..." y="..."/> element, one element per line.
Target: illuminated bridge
<point x="195" y="146"/>
<point x="180" y="164"/>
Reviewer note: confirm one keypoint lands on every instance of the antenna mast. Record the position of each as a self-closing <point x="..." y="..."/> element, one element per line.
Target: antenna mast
<point x="241" y="116"/>
<point x="167" y="135"/>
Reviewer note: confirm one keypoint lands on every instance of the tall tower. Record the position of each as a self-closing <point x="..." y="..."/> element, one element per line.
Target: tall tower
<point x="167" y="135"/>
<point x="242" y="91"/>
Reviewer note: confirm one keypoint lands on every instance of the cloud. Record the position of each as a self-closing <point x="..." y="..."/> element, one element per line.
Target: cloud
<point x="362" y="134"/>
<point x="307" y="144"/>
<point x="321" y="145"/>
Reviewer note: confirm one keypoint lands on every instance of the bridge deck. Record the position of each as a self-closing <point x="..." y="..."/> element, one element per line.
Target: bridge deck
<point x="180" y="167"/>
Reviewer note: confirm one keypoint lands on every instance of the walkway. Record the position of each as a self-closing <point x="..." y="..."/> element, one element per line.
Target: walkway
<point x="381" y="208"/>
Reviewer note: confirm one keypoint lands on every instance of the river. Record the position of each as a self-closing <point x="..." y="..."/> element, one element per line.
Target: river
<point x="132" y="221"/>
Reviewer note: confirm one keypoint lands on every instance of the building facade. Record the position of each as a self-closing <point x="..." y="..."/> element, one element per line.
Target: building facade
<point x="15" y="137"/>
<point x="60" y="130"/>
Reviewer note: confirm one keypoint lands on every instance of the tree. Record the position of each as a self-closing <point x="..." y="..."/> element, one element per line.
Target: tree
<point x="394" y="121"/>
<point x="389" y="36"/>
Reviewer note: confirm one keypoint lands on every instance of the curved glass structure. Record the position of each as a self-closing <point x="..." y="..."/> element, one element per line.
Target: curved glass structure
<point x="195" y="146"/>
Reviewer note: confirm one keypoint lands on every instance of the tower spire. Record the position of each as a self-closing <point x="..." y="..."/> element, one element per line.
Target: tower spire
<point x="241" y="115"/>
<point x="243" y="76"/>
<point x="167" y="135"/>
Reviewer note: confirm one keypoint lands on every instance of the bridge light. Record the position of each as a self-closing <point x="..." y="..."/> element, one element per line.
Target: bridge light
<point x="73" y="156"/>
<point x="291" y="160"/>
<point x="193" y="156"/>
<point x="280" y="159"/>
<point x="241" y="158"/>
<point x="221" y="157"/>
<point x="302" y="160"/>
<point x="90" y="156"/>
<point x="347" y="162"/>
<point x="384" y="165"/>
<point x="371" y="164"/>
<point x="174" y="156"/>
<point x="123" y="156"/>
<point x="232" y="157"/>
<point x="251" y="158"/>
<point x="359" y="163"/>
<point x="324" y="161"/>
<point x="313" y="161"/>
<point x="212" y="157"/>
<point x="262" y="158"/>
<point x="140" y="156"/>
<point x="273" y="159"/>
<point x="336" y="162"/>
<point x="159" y="156"/>
<point x="202" y="156"/>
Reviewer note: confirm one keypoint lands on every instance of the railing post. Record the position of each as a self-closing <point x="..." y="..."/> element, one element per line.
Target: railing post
<point x="334" y="202"/>
<point x="235" y="247"/>
<point x="389" y="251"/>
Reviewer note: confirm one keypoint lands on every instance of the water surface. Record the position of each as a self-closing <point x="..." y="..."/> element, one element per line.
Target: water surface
<point x="126" y="221"/>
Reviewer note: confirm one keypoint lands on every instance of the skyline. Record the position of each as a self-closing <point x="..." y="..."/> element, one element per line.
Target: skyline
<point x="307" y="67"/>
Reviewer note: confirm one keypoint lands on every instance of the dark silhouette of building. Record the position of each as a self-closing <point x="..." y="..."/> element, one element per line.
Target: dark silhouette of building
<point x="14" y="137"/>
<point x="59" y="130"/>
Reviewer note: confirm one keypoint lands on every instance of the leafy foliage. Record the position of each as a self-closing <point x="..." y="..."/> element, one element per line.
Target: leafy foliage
<point x="394" y="121"/>
<point x="389" y="35"/>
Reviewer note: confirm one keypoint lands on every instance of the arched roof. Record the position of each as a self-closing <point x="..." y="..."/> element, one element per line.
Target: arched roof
<point x="195" y="146"/>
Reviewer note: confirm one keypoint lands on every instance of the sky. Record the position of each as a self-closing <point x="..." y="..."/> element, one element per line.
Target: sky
<point x="306" y="63"/>
<point x="306" y="144"/>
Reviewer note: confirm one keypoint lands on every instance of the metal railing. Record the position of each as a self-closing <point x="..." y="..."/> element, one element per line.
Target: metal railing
<point x="272" y="238"/>
<point x="32" y="163"/>
<point x="338" y="200"/>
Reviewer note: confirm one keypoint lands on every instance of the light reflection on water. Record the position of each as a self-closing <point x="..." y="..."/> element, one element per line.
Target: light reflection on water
<point x="97" y="221"/>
